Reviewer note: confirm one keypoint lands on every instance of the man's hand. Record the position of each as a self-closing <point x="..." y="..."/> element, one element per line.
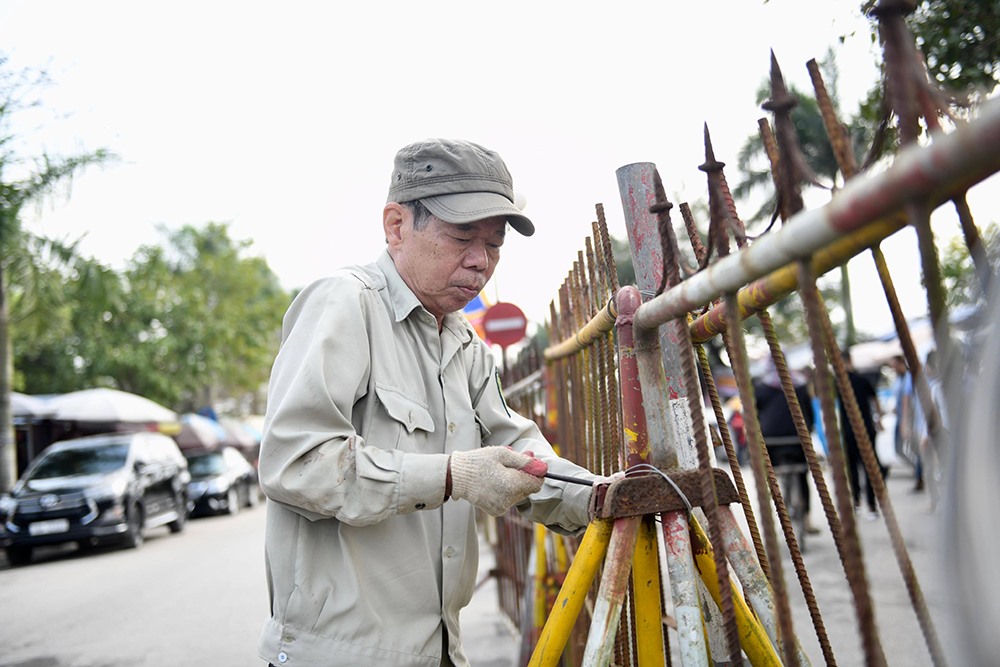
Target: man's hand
<point x="494" y="478"/>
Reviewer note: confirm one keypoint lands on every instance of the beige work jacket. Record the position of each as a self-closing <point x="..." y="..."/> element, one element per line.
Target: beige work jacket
<point x="365" y="563"/>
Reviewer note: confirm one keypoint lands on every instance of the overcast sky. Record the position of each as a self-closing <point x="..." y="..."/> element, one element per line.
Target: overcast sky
<point x="282" y="119"/>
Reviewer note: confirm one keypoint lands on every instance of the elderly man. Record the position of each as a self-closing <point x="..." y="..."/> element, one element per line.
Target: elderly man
<point x="386" y="428"/>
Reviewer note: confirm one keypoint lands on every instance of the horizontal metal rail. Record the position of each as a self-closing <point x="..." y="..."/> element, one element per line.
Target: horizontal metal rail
<point x="865" y="212"/>
<point x="952" y="162"/>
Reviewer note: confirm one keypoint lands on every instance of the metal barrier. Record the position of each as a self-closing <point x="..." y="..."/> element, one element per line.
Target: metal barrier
<point x="625" y="380"/>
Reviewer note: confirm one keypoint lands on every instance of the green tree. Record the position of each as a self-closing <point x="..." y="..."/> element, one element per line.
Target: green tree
<point x="22" y="181"/>
<point x="210" y="318"/>
<point x="189" y="324"/>
<point x="52" y="306"/>
<point x="754" y="168"/>
<point x="960" y="43"/>
<point x="958" y="273"/>
<point x="960" y="40"/>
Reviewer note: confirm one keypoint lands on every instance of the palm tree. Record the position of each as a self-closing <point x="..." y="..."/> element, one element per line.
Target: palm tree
<point x="41" y="181"/>
<point x="815" y="146"/>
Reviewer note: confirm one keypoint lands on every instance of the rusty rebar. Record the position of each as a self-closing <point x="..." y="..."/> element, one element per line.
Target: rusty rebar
<point x="727" y="217"/>
<point x="671" y="274"/>
<point x="805" y="439"/>
<point x="854" y="564"/>
<point x="734" y="465"/>
<point x="866" y="447"/>
<point x="845" y="159"/>
<point x="700" y="252"/>
<point x="755" y="444"/>
<point x="984" y="272"/>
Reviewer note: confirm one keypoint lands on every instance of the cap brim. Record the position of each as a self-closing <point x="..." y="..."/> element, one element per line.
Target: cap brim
<point x="467" y="207"/>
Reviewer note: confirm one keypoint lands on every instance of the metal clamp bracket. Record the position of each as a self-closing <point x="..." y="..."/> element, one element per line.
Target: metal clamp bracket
<point x="638" y="495"/>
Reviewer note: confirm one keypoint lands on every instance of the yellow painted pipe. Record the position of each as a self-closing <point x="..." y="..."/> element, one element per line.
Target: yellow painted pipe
<point x="573" y="594"/>
<point x="646" y="586"/>
<point x="753" y="638"/>
<point x="562" y="557"/>
<point x="778" y="284"/>
<point x="541" y="574"/>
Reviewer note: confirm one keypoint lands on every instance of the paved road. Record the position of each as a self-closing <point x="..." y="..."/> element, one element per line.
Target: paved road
<point x="901" y="637"/>
<point x="198" y="597"/>
<point x="194" y="597"/>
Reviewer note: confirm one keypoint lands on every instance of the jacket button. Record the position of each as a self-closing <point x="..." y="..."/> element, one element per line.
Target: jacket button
<point x="282" y="657"/>
<point x="420" y="506"/>
<point x="452" y="427"/>
<point x="449" y="552"/>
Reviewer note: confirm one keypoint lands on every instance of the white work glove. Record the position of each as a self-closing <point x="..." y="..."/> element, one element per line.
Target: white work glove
<point x="495" y="478"/>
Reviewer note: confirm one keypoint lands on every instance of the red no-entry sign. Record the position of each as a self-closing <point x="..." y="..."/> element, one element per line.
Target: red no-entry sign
<point x="504" y="324"/>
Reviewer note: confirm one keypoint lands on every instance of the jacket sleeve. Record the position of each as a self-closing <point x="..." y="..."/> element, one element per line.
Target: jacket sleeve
<point x="561" y="506"/>
<point x="312" y="460"/>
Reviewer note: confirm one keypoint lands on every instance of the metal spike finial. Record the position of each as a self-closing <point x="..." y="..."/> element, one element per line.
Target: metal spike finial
<point x="887" y="7"/>
<point x="711" y="164"/>
<point x="780" y="100"/>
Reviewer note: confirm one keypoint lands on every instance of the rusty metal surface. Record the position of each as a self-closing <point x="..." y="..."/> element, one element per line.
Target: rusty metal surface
<point x="655" y="414"/>
<point x="953" y="162"/>
<point x="653" y="494"/>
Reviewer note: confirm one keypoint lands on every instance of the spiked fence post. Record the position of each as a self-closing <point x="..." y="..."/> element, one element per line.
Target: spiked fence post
<point x="663" y="396"/>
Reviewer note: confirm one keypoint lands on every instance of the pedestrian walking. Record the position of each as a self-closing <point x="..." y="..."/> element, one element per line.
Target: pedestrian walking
<point x="777" y="428"/>
<point x="871" y="416"/>
<point x="903" y="440"/>
<point x="929" y="446"/>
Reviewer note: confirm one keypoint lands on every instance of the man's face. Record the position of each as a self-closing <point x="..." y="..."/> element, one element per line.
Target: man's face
<point x="446" y="265"/>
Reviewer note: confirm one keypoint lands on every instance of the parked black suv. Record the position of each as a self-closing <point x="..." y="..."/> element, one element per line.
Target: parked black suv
<point x="94" y="490"/>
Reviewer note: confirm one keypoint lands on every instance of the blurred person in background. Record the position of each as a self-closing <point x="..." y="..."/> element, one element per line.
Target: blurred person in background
<point x="777" y="426"/>
<point x="871" y="416"/>
<point x="903" y="432"/>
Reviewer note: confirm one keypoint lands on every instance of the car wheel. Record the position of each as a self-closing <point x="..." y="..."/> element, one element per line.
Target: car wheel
<point x="18" y="555"/>
<point x="253" y="496"/>
<point x="233" y="500"/>
<point x="135" y="535"/>
<point x="181" y="506"/>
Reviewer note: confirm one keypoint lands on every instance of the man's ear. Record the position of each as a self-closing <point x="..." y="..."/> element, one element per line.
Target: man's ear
<point x="393" y="217"/>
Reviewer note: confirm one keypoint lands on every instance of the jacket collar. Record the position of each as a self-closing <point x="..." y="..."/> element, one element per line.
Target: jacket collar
<point x="404" y="301"/>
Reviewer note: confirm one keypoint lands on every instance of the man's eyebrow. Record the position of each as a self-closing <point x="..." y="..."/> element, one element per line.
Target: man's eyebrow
<point x="471" y="228"/>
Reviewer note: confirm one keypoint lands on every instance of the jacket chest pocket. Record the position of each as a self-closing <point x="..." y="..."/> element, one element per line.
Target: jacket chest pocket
<point x="400" y="422"/>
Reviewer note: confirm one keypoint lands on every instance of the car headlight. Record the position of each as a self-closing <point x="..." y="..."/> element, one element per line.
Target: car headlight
<point x="217" y="485"/>
<point x="7" y="505"/>
<point x="108" y="490"/>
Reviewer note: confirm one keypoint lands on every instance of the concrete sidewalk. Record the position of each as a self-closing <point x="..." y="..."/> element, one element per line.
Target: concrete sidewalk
<point x="489" y="637"/>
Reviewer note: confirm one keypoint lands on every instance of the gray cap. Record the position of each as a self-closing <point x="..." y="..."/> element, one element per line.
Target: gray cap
<point x="458" y="181"/>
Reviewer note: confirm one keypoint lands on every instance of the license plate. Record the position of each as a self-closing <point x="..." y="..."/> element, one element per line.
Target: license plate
<point x="49" y="527"/>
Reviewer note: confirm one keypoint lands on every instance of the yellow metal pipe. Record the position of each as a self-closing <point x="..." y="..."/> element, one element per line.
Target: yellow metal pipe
<point x="753" y="638"/>
<point x="599" y="325"/>
<point x="646" y="586"/>
<point x="573" y="594"/>
<point x="541" y="574"/>
<point x="562" y="557"/>
<point x="778" y="284"/>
